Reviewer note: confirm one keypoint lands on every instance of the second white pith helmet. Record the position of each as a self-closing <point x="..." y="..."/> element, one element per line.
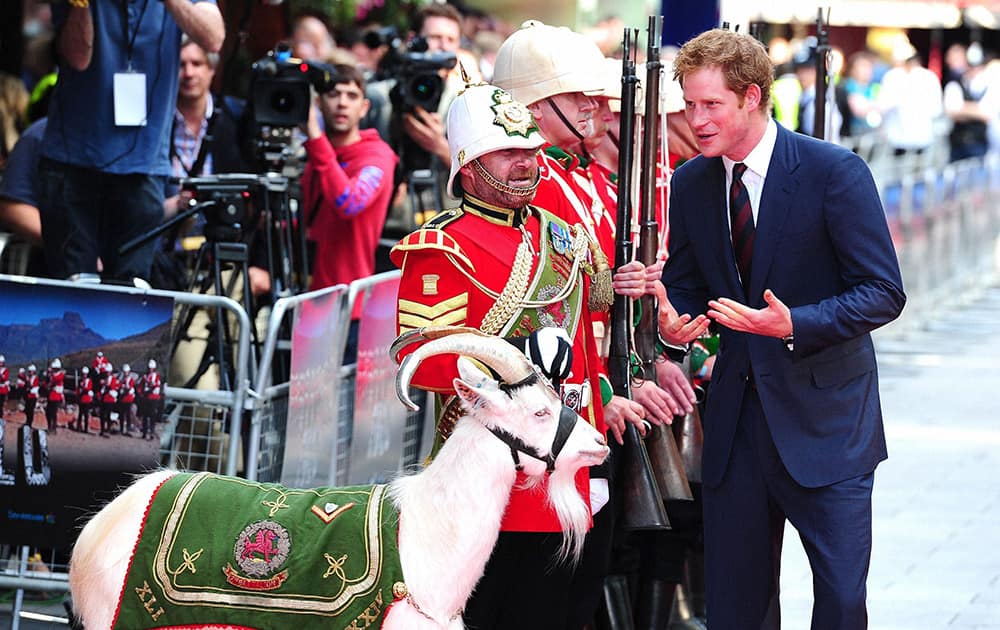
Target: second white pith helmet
<point x="538" y="61"/>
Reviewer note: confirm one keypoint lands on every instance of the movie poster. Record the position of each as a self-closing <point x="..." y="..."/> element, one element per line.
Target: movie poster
<point x="82" y="378"/>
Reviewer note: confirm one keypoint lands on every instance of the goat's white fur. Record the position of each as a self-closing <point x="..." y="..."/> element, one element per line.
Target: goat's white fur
<point x="450" y="512"/>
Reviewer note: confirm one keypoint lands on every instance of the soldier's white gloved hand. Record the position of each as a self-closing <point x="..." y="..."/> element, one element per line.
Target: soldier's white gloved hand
<point x="550" y="349"/>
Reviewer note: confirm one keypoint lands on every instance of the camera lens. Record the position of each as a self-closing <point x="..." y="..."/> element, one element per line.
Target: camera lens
<point x="425" y="90"/>
<point x="282" y="101"/>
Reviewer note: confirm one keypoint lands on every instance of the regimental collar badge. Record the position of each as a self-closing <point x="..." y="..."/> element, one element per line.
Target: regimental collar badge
<point x="514" y="117"/>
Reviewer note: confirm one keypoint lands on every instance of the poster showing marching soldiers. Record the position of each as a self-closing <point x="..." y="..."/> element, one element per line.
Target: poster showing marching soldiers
<point x="82" y="377"/>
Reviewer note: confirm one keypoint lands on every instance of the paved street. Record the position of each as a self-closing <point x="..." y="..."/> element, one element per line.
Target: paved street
<point x="936" y="556"/>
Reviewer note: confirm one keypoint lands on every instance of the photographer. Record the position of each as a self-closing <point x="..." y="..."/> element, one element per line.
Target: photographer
<point x="440" y="25"/>
<point x="105" y="155"/>
<point x="205" y="134"/>
<point x="416" y="81"/>
<point x="347" y="183"/>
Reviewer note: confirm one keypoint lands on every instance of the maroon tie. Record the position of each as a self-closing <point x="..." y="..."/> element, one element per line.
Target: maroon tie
<point x="741" y="222"/>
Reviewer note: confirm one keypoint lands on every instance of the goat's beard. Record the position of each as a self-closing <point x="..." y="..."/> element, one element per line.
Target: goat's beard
<point x="573" y="513"/>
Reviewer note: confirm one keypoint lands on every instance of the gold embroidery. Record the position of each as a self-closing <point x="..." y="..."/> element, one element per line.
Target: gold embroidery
<point x="149" y="603"/>
<point x="399" y="590"/>
<point x="431" y="311"/>
<point x="431" y="283"/>
<point x="369" y="616"/>
<point x="188" y="564"/>
<point x="336" y="566"/>
<point x="279" y="504"/>
<point x="454" y="318"/>
<point x="330" y="511"/>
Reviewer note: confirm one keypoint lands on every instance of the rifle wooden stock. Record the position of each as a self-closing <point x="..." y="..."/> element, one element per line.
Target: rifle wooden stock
<point x="642" y="500"/>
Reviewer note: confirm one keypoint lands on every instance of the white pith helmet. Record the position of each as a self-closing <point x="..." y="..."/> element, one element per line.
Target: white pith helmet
<point x="56" y="364"/>
<point x="126" y="368"/>
<point x="152" y="364"/>
<point x="611" y="76"/>
<point x="85" y="370"/>
<point x="3" y="359"/>
<point x="484" y="118"/>
<point x="31" y="368"/>
<point x="538" y="61"/>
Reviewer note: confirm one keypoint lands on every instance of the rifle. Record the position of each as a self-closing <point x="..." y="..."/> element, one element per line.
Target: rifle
<point x="648" y="229"/>
<point x="822" y="74"/>
<point x="643" y="501"/>
<point x="661" y="446"/>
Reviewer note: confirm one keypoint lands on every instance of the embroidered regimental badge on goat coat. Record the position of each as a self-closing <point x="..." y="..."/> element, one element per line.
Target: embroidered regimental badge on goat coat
<point x="227" y="552"/>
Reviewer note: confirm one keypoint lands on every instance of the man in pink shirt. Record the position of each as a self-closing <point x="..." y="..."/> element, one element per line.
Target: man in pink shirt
<point x="347" y="183"/>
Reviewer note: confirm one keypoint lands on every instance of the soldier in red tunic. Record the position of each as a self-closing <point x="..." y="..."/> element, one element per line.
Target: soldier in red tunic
<point x="31" y="387"/>
<point x="109" y="399"/>
<point x="55" y="393"/>
<point x="126" y="400"/>
<point x="84" y="400"/>
<point x="510" y="269"/>
<point x="4" y="384"/>
<point x="150" y="392"/>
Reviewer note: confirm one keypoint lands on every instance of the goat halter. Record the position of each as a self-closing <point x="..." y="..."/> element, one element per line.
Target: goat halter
<point x="567" y="421"/>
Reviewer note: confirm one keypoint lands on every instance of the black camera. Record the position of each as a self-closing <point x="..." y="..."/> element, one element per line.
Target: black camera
<point x="415" y="70"/>
<point x="226" y="203"/>
<point x="279" y="87"/>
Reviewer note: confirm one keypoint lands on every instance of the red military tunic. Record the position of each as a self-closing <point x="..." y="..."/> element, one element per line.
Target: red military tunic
<point x="4" y="380"/>
<point x="453" y="270"/>
<point x="85" y="390"/>
<point x="110" y="391"/>
<point x="151" y="385"/>
<point x="569" y="191"/>
<point x="56" y="385"/>
<point x="127" y="388"/>
<point x="32" y="384"/>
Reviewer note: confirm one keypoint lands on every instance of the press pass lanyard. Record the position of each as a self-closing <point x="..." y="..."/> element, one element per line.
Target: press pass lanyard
<point x="130" y="41"/>
<point x="130" y="86"/>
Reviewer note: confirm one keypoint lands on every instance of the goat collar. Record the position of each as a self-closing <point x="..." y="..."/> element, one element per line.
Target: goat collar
<point x="567" y="421"/>
<point x="458" y="613"/>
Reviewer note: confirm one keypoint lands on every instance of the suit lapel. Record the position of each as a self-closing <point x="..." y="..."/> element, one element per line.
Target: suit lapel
<point x="775" y="204"/>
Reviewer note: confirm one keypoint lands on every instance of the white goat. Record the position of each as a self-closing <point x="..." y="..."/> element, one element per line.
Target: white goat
<point x="449" y="513"/>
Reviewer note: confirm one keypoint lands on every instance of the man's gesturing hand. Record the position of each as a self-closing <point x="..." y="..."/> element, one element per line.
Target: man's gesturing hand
<point x="674" y="328"/>
<point x="774" y="320"/>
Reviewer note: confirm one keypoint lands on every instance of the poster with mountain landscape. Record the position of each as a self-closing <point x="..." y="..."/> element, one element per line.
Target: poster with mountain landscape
<point x="81" y="390"/>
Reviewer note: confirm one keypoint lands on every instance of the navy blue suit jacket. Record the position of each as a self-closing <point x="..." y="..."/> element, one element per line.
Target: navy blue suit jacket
<point x="823" y="246"/>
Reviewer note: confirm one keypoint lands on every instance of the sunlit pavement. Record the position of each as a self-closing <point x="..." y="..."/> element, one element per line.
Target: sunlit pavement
<point x="936" y="553"/>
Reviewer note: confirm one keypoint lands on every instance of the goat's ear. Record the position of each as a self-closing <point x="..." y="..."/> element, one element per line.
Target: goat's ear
<point x="475" y="374"/>
<point x="474" y="387"/>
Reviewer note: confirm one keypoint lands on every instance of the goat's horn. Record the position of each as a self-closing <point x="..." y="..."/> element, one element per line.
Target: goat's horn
<point x="500" y="356"/>
<point x="427" y="333"/>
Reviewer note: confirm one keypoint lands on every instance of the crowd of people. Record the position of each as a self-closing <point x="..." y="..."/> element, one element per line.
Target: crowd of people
<point x="894" y="95"/>
<point x="90" y="394"/>
<point x="516" y="227"/>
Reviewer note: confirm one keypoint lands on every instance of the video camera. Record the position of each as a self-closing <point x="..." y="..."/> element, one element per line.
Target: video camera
<point x="225" y="201"/>
<point x="414" y="68"/>
<point x="280" y="99"/>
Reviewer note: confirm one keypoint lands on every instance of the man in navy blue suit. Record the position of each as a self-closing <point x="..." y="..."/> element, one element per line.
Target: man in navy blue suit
<point x="781" y="240"/>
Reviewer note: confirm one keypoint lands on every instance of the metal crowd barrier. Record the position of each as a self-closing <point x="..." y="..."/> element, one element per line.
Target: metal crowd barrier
<point x="189" y="438"/>
<point x="945" y="224"/>
<point x="269" y="431"/>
